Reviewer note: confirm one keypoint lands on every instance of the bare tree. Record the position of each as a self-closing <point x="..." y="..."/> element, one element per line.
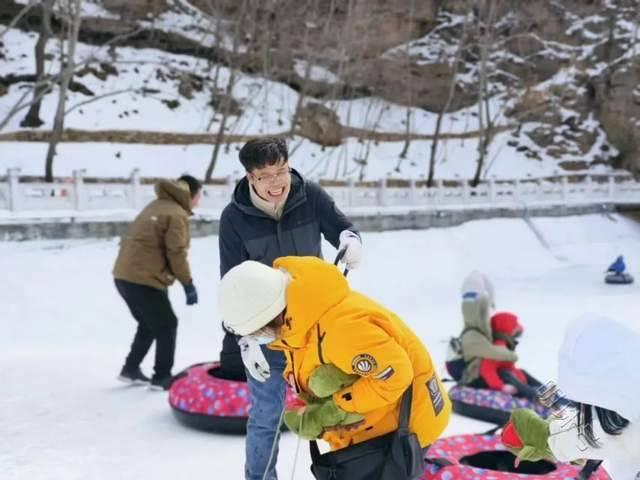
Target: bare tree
<point x="70" y="14"/>
<point x="485" y="122"/>
<point x="32" y="118"/>
<point x="226" y="102"/>
<point x="407" y="142"/>
<point x="634" y="39"/>
<point x="311" y="17"/>
<point x="445" y="108"/>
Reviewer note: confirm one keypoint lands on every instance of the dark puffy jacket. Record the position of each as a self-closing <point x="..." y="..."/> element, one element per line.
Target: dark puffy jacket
<point x="247" y="233"/>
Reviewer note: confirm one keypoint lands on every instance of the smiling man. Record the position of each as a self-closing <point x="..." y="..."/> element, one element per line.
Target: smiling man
<point x="274" y="212"/>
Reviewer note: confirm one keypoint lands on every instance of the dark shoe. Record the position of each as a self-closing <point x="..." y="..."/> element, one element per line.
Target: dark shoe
<point x="161" y="382"/>
<point x="133" y="376"/>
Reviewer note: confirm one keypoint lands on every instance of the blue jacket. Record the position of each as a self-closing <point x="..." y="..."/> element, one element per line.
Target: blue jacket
<point x="618" y="266"/>
<point x="247" y="233"/>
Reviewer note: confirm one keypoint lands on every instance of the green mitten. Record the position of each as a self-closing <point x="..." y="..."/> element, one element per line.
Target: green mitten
<point x="534" y="434"/>
<point x="327" y="379"/>
<point x="309" y="422"/>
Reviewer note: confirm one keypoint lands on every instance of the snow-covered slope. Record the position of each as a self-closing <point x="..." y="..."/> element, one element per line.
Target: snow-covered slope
<point x="65" y="332"/>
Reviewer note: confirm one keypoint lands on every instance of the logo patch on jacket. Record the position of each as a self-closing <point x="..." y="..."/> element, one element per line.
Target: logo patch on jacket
<point x="435" y="394"/>
<point x="364" y="364"/>
<point x="385" y="374"/>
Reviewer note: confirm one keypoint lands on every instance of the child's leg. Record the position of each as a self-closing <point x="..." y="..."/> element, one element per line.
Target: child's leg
<point x="523" y="390"/>
<point x="531" y="381"/>
<point x="477" y="383"/>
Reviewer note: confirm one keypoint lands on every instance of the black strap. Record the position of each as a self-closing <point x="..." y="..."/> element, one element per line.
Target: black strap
<point x="589" y="469"/>
<point x="405" y="410"/>
<point x="472" y="329"/>
<point x="315" y="451"/>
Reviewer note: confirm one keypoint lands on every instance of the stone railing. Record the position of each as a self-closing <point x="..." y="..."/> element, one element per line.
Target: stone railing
<point x="20" y="194"/>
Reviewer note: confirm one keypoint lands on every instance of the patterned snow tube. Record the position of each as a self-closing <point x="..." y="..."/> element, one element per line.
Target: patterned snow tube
<point x="489" y="405"/>
<point x="200" y="400"/>
<point x="618" y="279"/>
<point x="477" y="457"/>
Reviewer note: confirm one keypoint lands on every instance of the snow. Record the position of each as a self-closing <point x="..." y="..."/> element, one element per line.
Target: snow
<point x="65" y="333"/>
<point x="317" y="73"/>
<point x="456" y="159"/>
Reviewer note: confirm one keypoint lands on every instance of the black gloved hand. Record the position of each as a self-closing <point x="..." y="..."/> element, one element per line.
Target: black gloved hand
<point x="191" y="293"/>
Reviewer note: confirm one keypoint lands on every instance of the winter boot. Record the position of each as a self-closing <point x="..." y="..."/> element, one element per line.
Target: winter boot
<point x="161" y="382"/>
<point x="133" y="376"/>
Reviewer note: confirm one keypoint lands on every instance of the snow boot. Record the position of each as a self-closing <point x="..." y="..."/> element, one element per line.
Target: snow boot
<point x="133" y="376"/>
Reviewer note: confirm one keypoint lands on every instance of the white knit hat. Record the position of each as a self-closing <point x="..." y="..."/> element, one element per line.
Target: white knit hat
<point x="251" y="295"/>
<point x="478" y="282"/>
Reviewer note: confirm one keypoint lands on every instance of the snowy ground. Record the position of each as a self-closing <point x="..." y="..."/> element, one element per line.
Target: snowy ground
<point x="64" y="416"/>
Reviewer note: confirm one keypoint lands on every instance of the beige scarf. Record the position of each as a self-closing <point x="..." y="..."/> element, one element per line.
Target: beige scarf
<point x="274" y="210"/>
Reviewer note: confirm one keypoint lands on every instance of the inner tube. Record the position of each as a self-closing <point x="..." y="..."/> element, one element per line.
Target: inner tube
<point x="478" y="456"/>
<point x="618" y="278"/>
<point x="201" y="400"/>
<point x="489" y="406"/>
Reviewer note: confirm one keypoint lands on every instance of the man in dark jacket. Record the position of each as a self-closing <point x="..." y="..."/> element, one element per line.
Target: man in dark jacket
<point x="274" y="212"/>
<point x="152" y="256"/>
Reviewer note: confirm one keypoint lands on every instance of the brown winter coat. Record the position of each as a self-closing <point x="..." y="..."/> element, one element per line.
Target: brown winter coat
<point x="154" y="251"/>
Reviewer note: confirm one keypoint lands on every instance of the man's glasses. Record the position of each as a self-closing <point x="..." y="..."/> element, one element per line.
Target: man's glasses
<point x="273" y="178"/>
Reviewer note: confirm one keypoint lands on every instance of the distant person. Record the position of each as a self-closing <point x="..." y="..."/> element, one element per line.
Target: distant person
<point x="476" y="339"/>
<point x="617" y="274"/>
<point x="617" y="266"/>
<point x="274" y="212"/>
<point x="152" y="255"/>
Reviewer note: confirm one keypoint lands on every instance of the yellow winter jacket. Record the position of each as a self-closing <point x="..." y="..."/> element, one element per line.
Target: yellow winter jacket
<point x="327" y="322"/>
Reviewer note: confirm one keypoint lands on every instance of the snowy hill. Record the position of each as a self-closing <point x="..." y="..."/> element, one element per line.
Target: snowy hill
<point x="152" y="88"/>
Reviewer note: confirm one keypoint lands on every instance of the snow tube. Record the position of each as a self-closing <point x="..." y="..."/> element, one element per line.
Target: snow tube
<point x="477" y="457"/>
<point x="489" y="405"/>
<point x="200" y="400"/>
<point x="618" y="278"/>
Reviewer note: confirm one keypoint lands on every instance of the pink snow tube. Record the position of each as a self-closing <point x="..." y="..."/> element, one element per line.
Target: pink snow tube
<point x="200" y="400"/>
<point x="477" y="457"/>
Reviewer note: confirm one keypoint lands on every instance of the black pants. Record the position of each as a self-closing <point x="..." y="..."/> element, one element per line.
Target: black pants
<point x="528" y="390"/>
<point x="156" y="321"/>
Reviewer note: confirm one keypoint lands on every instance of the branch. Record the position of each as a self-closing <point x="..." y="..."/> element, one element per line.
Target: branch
<point x="23" y="12"/>
<point x="17" y="106"/>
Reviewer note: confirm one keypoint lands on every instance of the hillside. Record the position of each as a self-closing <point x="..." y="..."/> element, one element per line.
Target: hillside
<point x="358" y="86"/>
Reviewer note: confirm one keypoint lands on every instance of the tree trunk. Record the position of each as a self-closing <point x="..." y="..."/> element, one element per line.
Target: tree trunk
<point x="483" y="95"/>
<point x="228" y="91"/>
<point x="445" y="107"/>
<point x="74" y="20"/>
<point x="301" y="95"/>
<point x="223" y="124"/>
<point x="32" y="118"/>
<point x="407" y="141"/>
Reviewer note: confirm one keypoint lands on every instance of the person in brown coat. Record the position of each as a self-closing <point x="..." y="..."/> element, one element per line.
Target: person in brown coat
<point x="152" y="256"/>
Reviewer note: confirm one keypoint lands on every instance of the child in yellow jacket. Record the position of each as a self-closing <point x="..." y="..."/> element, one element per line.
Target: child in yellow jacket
<point x="304" y="307"/>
